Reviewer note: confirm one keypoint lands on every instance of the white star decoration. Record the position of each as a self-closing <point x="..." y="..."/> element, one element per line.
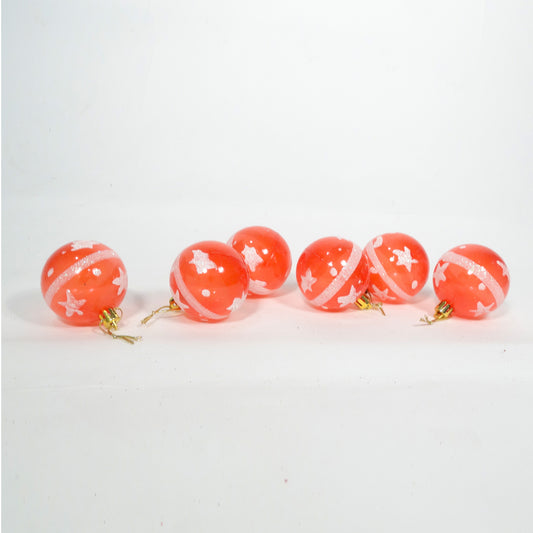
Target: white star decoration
<point x="79" y="245"/>
<point x="121" y="281"/>
<point x="438" y="275"/>
<point x="72" y="306"/>
<point x="237" y="302"/>
<point x="258" y="287"/>
<point x="251" y="257"/>
<point x="373" y="270"/>
<point x="481" y="309"/>
<point x="349" y="298"/>
<point x="378" y="242"/>
<point x="202" y="262"/>
<point x="307" y="281"/>
<point x="381" y="295"/>
<point x="505" y="271"/>
<point x="404" y="258"/>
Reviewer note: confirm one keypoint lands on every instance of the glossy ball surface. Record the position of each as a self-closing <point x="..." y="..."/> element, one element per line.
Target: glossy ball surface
<point x="209" y="280"/>
<point x="472" y="278"/>
<point x="266" y="255"/>
<point x="399" y="267"/>
<point x="81" y="279"/>
<point x="332" y="273"/>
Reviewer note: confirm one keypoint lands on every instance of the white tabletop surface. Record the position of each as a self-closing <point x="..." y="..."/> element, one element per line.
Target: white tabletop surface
<point x="152" y="125"/>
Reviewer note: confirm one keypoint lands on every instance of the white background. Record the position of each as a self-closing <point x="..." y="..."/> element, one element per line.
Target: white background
<point x="152" y="125"/>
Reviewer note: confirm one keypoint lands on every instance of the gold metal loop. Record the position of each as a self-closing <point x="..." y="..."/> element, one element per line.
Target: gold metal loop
<point x="109" y="319"/>
<point x="128" y="338"/>
<point x="172" y="306"/>
<point x="366" y="303"/>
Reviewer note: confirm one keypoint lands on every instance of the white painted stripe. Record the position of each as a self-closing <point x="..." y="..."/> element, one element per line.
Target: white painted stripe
<point x="75" y="269"/>
<point x="189" y="298"/>
<point x="477" y="270"/>
<point x="371" y="253"/>
<point x="342" y="277"/>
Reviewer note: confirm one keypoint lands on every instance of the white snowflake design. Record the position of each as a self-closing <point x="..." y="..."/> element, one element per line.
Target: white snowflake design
<point x="438" y="275"/>
<point x="72" y="306"/>
<point x="381" y="295"/>
<point x="404" y="258"/>
<point x="481" y="309"/>
<point x="251" y="257"/>
<point x="237" y="302"/>
<point x="505" y="270"/>
<point x="202" y="262"/>
<point x="307" y="281"/>
<point x="121" y="281"/>
<point x="349" y="298"/>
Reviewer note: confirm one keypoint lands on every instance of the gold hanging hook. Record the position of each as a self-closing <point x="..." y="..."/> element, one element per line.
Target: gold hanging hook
<point x="172" y="306"/>
<point x="443" y="310"/>
<point x="109" y="319"/>
<point x="365" y="303"/>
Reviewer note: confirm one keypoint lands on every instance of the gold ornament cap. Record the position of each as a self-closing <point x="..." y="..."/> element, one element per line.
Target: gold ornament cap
<point x="109" y="319"/>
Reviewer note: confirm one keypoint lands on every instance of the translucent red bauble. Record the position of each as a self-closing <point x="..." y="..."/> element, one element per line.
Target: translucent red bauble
<point x="472" y="279"/>
<point x="332" y="273"/>
<point x="81" y="280"/>
<point x="209" y="280"/>
<point x="399" y="267"/>
<point x="266" y="255"/>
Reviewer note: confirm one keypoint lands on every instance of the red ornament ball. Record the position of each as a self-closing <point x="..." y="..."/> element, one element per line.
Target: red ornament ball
<point x="399" y="267"/>
<point x="81" y="279"/>
<point x="332" y="273"/>
<point x="209" y="280"/>
<point x="473" y="279"/>
<point x="266" y="255"/>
